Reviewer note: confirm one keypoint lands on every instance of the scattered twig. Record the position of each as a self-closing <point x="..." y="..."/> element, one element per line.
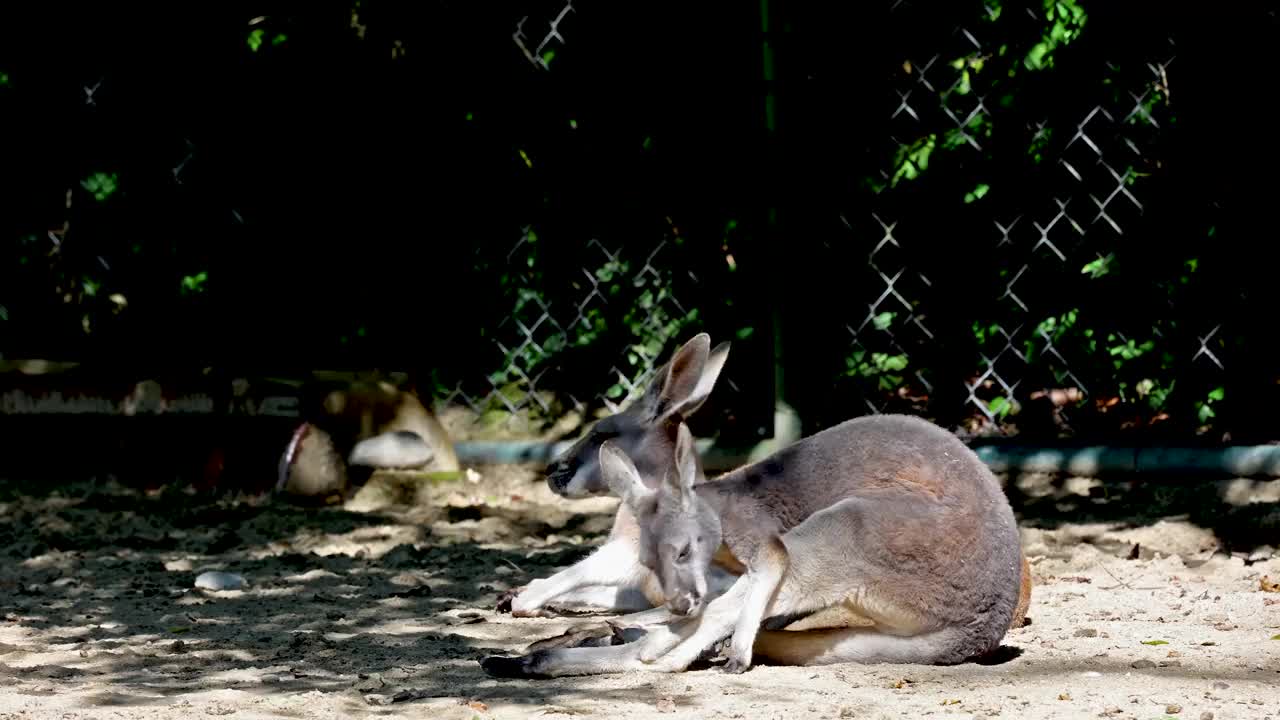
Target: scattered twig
<point x="1122" y="583"/>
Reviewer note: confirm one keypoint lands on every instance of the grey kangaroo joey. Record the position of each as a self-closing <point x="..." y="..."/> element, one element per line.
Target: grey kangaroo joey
<point x="888" y="520"/>
<point x="612" y="579"/>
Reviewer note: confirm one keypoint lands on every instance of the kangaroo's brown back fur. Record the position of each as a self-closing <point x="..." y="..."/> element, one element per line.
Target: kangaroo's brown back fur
<point x="958" y="539"/>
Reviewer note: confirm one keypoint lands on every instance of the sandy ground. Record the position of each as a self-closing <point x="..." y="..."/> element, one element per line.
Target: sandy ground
<point x="1146" y="606"/>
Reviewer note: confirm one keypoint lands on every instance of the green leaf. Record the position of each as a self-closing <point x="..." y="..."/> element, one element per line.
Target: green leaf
<point x="547" y="57"/>
<point x="1204" y="412"/>
<point x="977" y="193"/>
<point x="1155" y="642"/>
<point x="886" y="362"/>
<point x="746" y="332"/>
<point x="913" y="159"/>
<point x="194" y="283"/>
<point x="881" y="321"/>
<point x="1036" y="58"/>
<point x="1099" y="267"/>
<point x="1217" y="393"/>
<point x="255" y="39"/>
<point x="1275" y="637"/>
<point x="999" y="406"/>
<point x="4" y="79"/>
<point x="102" y="185"/>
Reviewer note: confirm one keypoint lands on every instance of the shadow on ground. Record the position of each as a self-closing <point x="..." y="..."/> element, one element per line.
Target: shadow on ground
<point x="1242" y="514"/>
<point x="390" y="606"/>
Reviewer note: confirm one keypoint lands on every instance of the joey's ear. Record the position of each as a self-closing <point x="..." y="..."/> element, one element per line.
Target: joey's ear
<point x="686" y="465"/>
<point x="621" y="475"/>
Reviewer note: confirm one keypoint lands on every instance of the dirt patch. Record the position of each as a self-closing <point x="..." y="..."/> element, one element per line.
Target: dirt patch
<point x="383" y="608"/>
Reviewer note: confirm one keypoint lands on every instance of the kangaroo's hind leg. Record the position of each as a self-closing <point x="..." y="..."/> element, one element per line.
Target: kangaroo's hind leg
<point x="828" y="560"/>
<point x="856" y="645"/>
<point x="790" y="576"/>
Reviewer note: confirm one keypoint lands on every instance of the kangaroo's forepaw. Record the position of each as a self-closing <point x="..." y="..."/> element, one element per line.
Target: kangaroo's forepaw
<point x="597" y="635"/>
<point x="737" y="665"/>
<point x="521" y="607"/>
<point x="523" y="667"/>
<point x="506" y="598"/>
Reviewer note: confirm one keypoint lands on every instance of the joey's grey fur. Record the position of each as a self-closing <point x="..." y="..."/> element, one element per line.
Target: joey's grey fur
<point x="888" y="518"/>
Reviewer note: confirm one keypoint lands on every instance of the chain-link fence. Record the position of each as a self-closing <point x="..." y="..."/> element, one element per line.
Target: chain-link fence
<point x="993" y="214"/>
<point x="1019" y="249"/>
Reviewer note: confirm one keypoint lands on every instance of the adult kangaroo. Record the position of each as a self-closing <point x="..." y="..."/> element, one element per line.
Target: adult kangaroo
<point x="888" y="517"/>
<point x="614" y="578"/>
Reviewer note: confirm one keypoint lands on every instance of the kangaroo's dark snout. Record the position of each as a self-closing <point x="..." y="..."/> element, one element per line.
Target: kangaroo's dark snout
<point x="560" y="472"/>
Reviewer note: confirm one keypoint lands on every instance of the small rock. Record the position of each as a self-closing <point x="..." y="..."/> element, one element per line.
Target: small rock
<point x="1256" y="701"/>
<point x="1224" y="626"/>
<point x="1142" y="664"/>
<point x="178" y="647"/>
<point x="410" y="694"/>
<point x="1206" y="715"/>
<point x="846" y="712"/>
<point x="216" y="580"/>
<point x="416" y="591"/>
<point x="1173" y="709"/>
<point x="1086" y="632"/>
<point x="396" y="673"/>
<point x="370" y="684"/>
<point x="1170" y="663"/>
<point x="1220" y="685"/>
<point x="666" y="704"/>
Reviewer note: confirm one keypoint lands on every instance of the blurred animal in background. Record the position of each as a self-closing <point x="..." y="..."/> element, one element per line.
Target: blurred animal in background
<point x="355" y="430"/>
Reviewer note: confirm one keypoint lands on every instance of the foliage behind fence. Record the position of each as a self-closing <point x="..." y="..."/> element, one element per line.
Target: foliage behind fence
<point x="1010" y="217"/>
<point x="1010" y="225"/>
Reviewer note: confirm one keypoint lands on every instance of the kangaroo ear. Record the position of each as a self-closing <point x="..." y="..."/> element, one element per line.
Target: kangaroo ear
<point x="679" y="377"/>
<point x="684" y="383"/>
<point x="622" y="476"/>
<point x="706" y="380"/>
<point x="686" y="465"/>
